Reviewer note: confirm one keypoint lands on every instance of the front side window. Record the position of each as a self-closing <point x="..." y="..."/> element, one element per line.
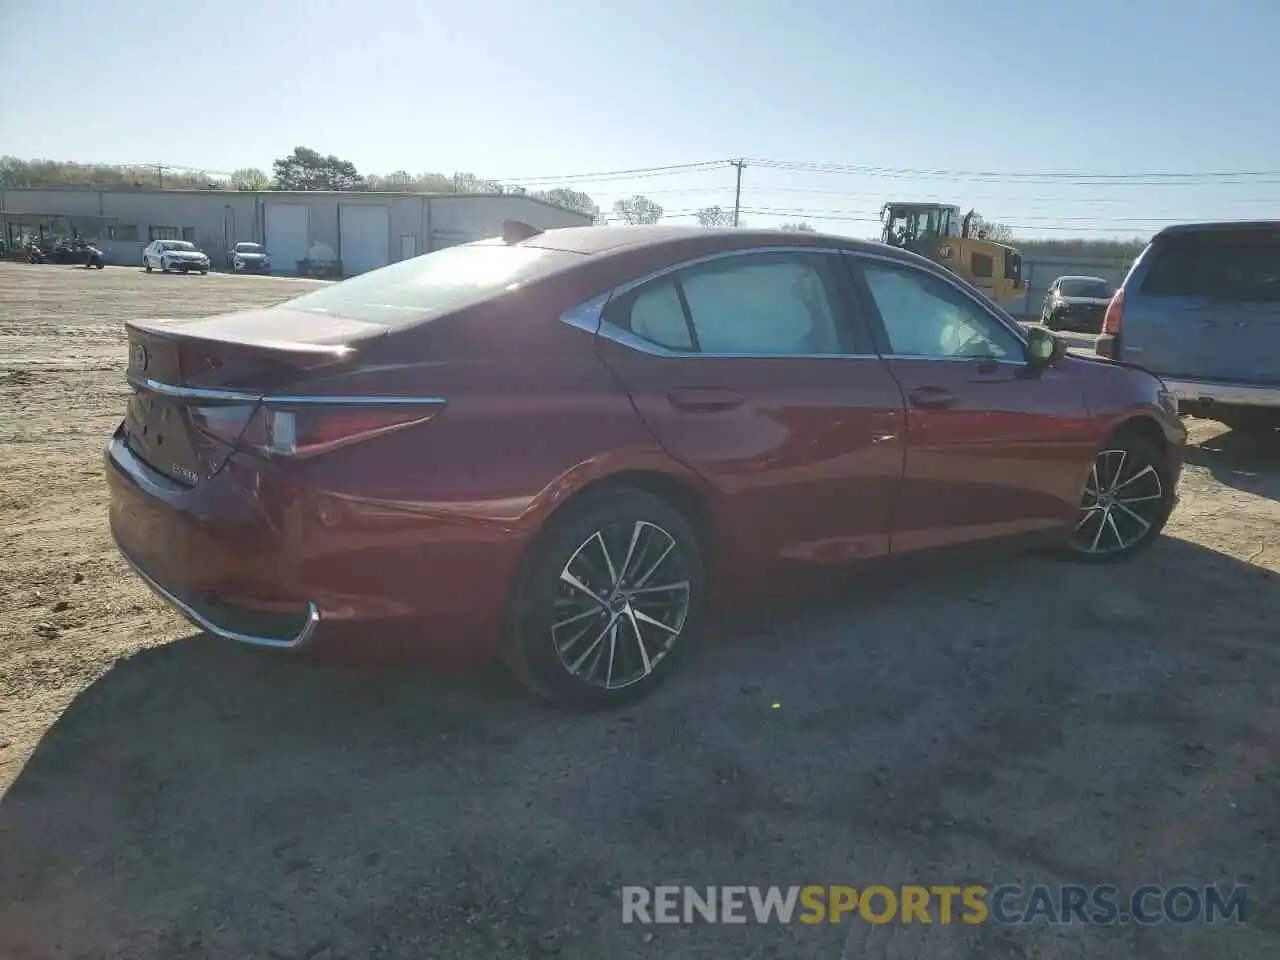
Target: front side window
<point x="924" y="317"/>
<point x="759" y="304"/>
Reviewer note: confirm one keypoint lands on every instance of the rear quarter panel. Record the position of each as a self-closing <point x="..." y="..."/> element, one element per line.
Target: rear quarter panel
<point x="435" y="517"/>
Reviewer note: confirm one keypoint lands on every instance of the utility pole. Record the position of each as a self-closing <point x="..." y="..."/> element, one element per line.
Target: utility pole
<point x="160" y="174"/>
<point x="737" y="190"/>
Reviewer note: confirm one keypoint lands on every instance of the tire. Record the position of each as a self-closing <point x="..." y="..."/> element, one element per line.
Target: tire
<point x="1109" y="528"/>
<point x="146" y="264"/>
<point x="603" y="667"/>
<point x="164" y="266"/>
<point x="204" y="273"/>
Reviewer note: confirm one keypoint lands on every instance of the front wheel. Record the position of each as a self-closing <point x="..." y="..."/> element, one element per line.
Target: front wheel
<point x="606" y="600"/>
<point x="1127" y="500"/>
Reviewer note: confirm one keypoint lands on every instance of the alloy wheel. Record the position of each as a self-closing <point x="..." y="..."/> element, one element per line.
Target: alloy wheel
<point x="621" y="603"/>
<point x="1124" y="499"/>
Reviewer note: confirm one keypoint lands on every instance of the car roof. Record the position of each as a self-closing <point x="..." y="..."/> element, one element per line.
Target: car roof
<point x="1075" y="276"/>
<point x="609" y="239"/>
<point x="1219" y="226"/>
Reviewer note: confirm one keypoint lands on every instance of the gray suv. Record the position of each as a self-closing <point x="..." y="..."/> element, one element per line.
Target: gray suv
<point x="1200" y="308"/>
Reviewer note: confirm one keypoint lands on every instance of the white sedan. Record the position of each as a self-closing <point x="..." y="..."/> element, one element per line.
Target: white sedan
<point x="167" y="255"/>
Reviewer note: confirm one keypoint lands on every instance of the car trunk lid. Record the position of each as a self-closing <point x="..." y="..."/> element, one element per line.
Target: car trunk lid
<point x="187" y="375"/>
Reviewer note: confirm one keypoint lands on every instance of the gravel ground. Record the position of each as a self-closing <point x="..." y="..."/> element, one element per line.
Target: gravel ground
<point x="1024" y="721"/>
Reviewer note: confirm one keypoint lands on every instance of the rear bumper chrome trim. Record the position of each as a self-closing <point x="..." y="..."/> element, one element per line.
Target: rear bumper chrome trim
<point x="1245" y="395"/>
<point x="200" y="620"/>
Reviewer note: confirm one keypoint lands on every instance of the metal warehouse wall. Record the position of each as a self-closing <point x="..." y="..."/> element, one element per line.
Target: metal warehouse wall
<point x="416" y="223"/>
<point x="1040" y="272"/>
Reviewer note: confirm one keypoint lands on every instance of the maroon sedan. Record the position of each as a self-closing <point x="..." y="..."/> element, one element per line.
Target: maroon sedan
<point x="560" y="447"/>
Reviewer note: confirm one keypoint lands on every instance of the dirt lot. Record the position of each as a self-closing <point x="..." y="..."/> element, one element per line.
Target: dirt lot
<point x="172" y="796"/>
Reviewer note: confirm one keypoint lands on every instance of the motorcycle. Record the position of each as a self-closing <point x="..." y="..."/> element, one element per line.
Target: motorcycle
<point x="94" y="259"/>
<point x="36" y="253"/>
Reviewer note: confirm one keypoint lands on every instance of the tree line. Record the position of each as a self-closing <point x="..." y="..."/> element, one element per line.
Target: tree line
<point x="307" y="169"/>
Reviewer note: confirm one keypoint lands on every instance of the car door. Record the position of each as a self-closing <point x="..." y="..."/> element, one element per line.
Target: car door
<point x="750" y="369"/>
<point x="995" y="447"/>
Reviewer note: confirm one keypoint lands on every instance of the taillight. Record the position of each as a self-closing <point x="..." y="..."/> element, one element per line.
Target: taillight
<point x="283" y="428"/>
<point x="304" y="431"/>
<point x="1114" y="317"/>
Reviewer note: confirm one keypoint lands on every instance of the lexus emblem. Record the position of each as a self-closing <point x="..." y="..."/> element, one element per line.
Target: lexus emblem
<point x="140" y="356"/>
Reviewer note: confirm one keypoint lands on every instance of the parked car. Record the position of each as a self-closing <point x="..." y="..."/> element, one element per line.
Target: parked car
<point x="1076" y="303"/>
<point x="248" y="258"/>
<point x="167" y="255"/>
<point x="559" y="446"/>
<point x="37" y="252"/>
<point x="1201" y="308"/>
<point x="78" y="251"/>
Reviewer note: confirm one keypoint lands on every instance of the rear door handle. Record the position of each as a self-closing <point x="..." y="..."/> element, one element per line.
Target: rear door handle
<point x="704" y="399"/>
<point x="932" y="398"/>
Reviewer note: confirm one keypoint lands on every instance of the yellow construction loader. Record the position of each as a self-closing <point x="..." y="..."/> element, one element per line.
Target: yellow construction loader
<point x="957" y="242"/>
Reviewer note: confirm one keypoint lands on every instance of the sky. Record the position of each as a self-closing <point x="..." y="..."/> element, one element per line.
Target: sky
<point x="1054" y="118"/>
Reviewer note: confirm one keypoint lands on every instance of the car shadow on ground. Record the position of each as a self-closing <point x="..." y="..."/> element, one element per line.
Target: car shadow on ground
<point x="1017" y="720"/>
<point x="1241" y="459"/>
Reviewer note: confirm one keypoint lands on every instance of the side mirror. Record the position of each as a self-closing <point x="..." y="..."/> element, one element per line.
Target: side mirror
<point x="1043" y="347"/>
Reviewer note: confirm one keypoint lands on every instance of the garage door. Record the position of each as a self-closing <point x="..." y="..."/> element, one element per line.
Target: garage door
<point x="365" y="236"/>
<point x="286" y="231"/>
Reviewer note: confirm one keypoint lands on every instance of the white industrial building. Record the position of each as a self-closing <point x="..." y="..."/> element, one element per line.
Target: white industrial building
<point x="360" y="231"/>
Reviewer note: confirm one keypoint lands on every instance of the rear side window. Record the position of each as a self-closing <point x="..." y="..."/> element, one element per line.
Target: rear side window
<point x="1235" y="267"/>
<point x="765" y="304"/>
<point x="435" y="283"/>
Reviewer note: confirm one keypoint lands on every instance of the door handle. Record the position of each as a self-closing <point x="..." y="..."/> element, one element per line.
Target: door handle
<point x="703" y="399"/>
<point x="932" y="398"/>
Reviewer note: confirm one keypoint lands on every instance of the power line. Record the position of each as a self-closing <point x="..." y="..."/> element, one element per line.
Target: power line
<point x="1138" y="178"/>
<point x="602" y="176"/>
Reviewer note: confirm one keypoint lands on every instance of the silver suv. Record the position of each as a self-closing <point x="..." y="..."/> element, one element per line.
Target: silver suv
<point x="1200" y="308"/>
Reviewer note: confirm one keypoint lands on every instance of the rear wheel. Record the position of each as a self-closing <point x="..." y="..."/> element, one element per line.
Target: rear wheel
<point x="1126" y="501"/>
<point x="606" y="599"/>
<point x="146" y="264"/>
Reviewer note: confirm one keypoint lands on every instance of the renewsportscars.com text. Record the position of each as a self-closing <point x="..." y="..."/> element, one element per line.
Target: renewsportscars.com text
<point x="944" y="904"/>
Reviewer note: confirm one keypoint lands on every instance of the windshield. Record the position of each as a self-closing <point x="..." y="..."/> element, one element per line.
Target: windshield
<point x="1085" y="287"/>
<point x="178" y="245"/>
<point x="435" y="283"/>
<point x="248" y="248"/>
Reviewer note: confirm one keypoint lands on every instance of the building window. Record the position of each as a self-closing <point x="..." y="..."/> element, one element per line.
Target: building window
<point x="122" y="231"/>
<point x="189" y="234"/>
<point x="164" y="233"/>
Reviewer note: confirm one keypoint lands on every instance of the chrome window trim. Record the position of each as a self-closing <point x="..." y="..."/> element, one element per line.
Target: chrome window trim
<point x="721" y="255"/>
<point x="589" y="316"/>
<point x="628" y="339"/>
<point x="917" y="356"/>
<point x="978" y="301"/>
<point x="213" y="395"/>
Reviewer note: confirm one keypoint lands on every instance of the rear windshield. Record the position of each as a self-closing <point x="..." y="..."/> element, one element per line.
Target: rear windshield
<point x="1239" y="267"/>
<point x="435" y="283"/>
<point x="178" y="245"/>
<point x="1085" y="288"/>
